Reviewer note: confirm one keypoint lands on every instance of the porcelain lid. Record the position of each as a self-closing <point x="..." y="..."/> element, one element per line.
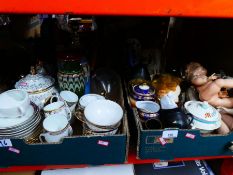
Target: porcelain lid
<point x="35" y="82"/>
<point x="143" y="90"/>
<point x="202" y="111"/>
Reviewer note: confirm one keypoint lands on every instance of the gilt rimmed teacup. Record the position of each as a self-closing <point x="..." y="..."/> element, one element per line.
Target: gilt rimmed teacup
<point x="56" y="127"/>
<point x="58" y="107"/>
<point x="70" y="98"/>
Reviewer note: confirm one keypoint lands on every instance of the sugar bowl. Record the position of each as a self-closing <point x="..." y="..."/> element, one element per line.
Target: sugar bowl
<point x="141" y="92"/>
<point x="39" y="87"/>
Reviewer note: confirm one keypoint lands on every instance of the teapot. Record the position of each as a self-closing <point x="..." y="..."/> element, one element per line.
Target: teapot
<point x="175" y="118"/>
<point x="39" y="87"/>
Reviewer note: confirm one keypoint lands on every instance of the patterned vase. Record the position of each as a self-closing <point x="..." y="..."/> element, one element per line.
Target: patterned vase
<point x="72" y="82"/>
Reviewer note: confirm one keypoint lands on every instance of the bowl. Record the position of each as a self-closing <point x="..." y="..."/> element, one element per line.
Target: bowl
<point x="205" y="127"/>
<point x="147" y="109"/>
<point x="88" y="98"/>
<point x="103" y="114"/>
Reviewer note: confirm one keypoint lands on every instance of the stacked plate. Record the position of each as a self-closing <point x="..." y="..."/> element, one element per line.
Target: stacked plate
<point x="23" y="127"/>
<point x="205" y="117"/>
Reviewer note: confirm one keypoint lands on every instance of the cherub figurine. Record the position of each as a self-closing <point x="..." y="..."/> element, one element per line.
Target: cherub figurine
<point x="209" y="88"/>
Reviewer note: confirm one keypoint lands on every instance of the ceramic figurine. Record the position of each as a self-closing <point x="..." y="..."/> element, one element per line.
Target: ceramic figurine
<point x="209" y="89"/>
<point x="40" y="68"/>
<point x="167" y="83"/>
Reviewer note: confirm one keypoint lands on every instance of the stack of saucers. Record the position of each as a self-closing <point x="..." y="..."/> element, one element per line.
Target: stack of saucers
<point x="22" y="127"/>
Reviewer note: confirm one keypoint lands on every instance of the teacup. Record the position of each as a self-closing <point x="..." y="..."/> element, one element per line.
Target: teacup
<point x="58" y="107"/>
<point x="70" y="98"/>
<point x="103" y="116"/>
<point x="57" y="127"/>
<point x="147" y="109"/>
<point x="14" y="103"/>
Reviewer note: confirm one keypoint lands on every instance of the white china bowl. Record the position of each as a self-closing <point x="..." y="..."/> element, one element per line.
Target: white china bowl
<point x="103" y="113"/>
<point x="148" y="106"/>
<point x="88" y="98"/>
<point x="204" y="127"/>
<point x="69" y="96"/>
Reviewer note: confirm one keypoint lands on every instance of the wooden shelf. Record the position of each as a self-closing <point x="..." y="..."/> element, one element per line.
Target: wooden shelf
<point x="189" y="8"/>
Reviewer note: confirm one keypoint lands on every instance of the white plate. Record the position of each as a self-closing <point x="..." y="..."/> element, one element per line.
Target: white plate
<point x="9" y="122"/>
<point x="23" y="134"/>
<point x="21" y="130"/>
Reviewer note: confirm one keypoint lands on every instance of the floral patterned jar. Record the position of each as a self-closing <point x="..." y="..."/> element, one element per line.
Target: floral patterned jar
<point x="39" y="87"/>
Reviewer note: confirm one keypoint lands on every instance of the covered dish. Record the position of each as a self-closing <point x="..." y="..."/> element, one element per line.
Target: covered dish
<point x="39" y="87"/>
<point x="205" y="116"/>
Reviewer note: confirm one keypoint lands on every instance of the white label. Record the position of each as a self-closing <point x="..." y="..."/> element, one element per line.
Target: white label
<point x="162" y="141"/>
<point x="104" y="143"/>
<point x="191" y="136"/>
<point x="5" y="143"/>
<point x="170" y="134"/>
<point x="160" y="164"/>
<point x="14" y="150"/>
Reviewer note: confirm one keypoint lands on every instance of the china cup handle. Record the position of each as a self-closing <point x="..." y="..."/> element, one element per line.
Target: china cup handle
<point x="190" y="120"/>
<point x="69" y="111"/>
<point x="56" y="97"/>
<point x="103" y="93"/>
<point x="42" y="137"/>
